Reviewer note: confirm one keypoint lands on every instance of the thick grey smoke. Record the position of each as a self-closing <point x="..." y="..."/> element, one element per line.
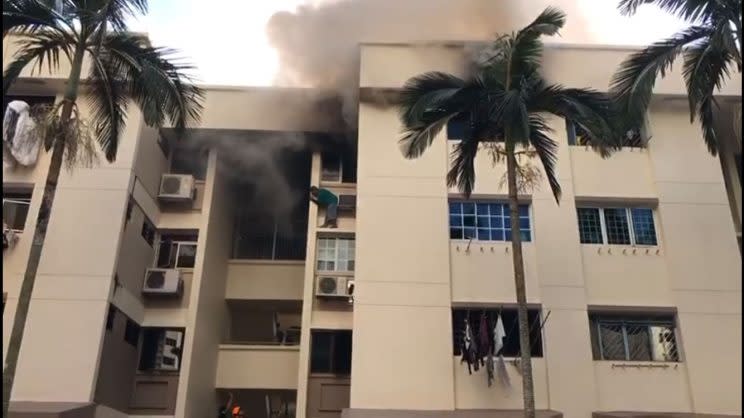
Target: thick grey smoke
<point x="318" y="44"/>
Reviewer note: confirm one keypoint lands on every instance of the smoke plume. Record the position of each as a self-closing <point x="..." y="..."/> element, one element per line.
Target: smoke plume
<point x="318" y="44"/>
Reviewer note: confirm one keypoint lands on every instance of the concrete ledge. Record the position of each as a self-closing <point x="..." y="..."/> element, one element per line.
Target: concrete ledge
<point x="460" y="413"/>
<point x="51" y="410"/>
<point x="636" y="414"/>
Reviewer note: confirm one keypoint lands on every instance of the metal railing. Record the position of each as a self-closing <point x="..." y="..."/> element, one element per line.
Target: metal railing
<point x="636" y="341"/>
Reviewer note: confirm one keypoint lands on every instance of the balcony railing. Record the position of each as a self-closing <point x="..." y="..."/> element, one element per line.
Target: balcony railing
<point x="242" y="366"/>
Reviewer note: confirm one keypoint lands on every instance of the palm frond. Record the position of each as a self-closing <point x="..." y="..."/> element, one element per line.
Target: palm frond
<point x="462" y="166"/>
<point x="634" y="81"/>
<point x="155" y="79"/>
<point x="547" y="151"/>
<point x="116" y="12"/>
<point x="43" y="46"/>
<point x="690" y="10"/>
<point x="108" y="102"/>
<point x="526" y="49"/>
<point x="427" y="103"/>
<point x="591" y="111"/>
<point x="706" y="66"/>
<point x="25" y="17"/>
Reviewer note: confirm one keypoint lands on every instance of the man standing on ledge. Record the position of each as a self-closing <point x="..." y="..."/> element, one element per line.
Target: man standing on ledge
<point x="326" y="199"/>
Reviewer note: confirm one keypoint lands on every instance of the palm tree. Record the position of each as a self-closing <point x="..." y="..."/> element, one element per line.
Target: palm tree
<point x="505" y="101"/>
<point x="711" y="48"/>
<point x="123" y="67"/>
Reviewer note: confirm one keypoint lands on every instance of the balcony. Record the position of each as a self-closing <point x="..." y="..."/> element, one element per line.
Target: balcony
<point x="265" y="279"/>
<point x="250" y="366"/>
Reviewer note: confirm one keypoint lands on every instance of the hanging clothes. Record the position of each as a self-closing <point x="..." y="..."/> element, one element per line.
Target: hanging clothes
<point x="489" y="369"/>
<point x="498" y="335"/>
<point x="484" y="342"/>
<point x="502" y="372"/>
<point x="20" y="145"/>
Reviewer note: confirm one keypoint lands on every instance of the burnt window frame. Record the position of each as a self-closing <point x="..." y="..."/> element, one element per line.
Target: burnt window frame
<point x="337" y="366"/>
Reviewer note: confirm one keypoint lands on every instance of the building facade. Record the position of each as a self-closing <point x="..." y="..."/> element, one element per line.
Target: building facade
<point x="193" y="270"/>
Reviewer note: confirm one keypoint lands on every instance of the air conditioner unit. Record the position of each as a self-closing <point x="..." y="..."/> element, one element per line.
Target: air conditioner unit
<point x="162" y="282"/>
<point x="334" y="287"/>
<point x="169" y="351"/>
<point x="176" y="187"/>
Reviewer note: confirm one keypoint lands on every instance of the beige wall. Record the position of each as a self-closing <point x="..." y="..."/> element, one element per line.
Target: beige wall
<point x="208" y="312"/>
<point x="695" y="267"/>
<point x="258" y="279"/>
<point x="402" y="292"/>
<point x="117" y="368"/>
<point x="327" y="396"/>
<point x="74" y="278"/>
<point x="257" y="367"/>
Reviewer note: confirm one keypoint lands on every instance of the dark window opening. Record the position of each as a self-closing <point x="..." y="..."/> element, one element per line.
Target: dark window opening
<point x="272" y="225"/>
<point x="131" y="333"/>
<point x="164" y="145"/>
<point x="330" y="352"/>
<point x="339" y="165"/>
<point x="189" y="160"/>
<point x="15" y="208"/>
<point x="633" y="337"/>
<point x="177" y="250"/>
<point x="634" y="136"/>
<point x="130" y="208"/>
<point x="161" y="349"/>
<point x="459" y="127"/>
<point x="110" y="317"/>
<point x="148" y="231"/>
<point x="510" y="324"/>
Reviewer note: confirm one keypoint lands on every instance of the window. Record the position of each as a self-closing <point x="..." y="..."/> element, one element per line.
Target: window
<point x="148" y="231"/>
<point x="177" y="251"/>
<point x="633" y="337"/>
<point x="509" y="321"/>
<point x="131" y="333"/>
<point x="110" y="317"/>
<point x="335" y="254"/>
<point x="192" y="161"/>
<point x="331" y="167"/>
<point x="635" y="137"/>
<point x="161" y="349"/>
<point x="571" y="132"/>
<point x="330" y="352"/>
<point x="164" y="145"/>
<point x="618" y="226"/>
<point x="130" y="208"/>
<point x="486" y="221"/>
<point x="262" y="238"/>
<point x="459" y="127"/>
<point x="15" y="209"/>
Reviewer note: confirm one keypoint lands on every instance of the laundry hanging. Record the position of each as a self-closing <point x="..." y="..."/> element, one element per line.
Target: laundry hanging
<point x="498" y="335"/>
<point x="20" y="145"/>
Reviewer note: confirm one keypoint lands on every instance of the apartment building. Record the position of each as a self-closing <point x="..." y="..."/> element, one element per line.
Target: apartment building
<point x="194" y="269"/>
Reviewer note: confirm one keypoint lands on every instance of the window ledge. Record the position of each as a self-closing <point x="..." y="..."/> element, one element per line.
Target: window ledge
<point x="629" y="364"/>
<point x="258" y="261"/>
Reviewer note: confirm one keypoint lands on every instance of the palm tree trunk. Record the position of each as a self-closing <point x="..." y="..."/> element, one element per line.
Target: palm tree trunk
<point x="528" y="393"/>
<point x="42" y="221"/>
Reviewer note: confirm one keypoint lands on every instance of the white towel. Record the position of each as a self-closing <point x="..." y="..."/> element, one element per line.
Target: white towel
<point x="20" y="145"/>
<point x="498" y="335"/>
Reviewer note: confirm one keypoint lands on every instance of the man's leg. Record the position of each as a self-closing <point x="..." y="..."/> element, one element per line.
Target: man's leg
<point x="331" y="215"/>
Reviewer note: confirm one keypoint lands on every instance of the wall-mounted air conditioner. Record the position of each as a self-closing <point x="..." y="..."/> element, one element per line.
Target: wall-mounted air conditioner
<point x="162" y="282"/>
<point x="176" y="187"/>
<point x="334" y="287"/>
<point x="169" y="351"/>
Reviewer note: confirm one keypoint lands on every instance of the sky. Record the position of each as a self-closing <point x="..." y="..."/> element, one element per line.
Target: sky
<point x="227" y="41"/>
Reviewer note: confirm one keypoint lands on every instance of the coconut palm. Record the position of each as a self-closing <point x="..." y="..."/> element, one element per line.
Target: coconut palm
<point x="710" y="47"/>
<point x="123" y="67"/>
<point x="506" y="102"/>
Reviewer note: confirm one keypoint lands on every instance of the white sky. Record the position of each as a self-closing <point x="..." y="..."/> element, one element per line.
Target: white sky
<point x="226" y="39"/>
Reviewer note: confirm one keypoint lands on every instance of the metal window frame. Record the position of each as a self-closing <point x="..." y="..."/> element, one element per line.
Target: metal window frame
<point x="505" y="207"/>
<point x="178" y="251"/>
<point x="336" y="259"/>
<point x="26" y="202"/>
<point x="629" y="218"/>
<point x="647" y="324"/>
